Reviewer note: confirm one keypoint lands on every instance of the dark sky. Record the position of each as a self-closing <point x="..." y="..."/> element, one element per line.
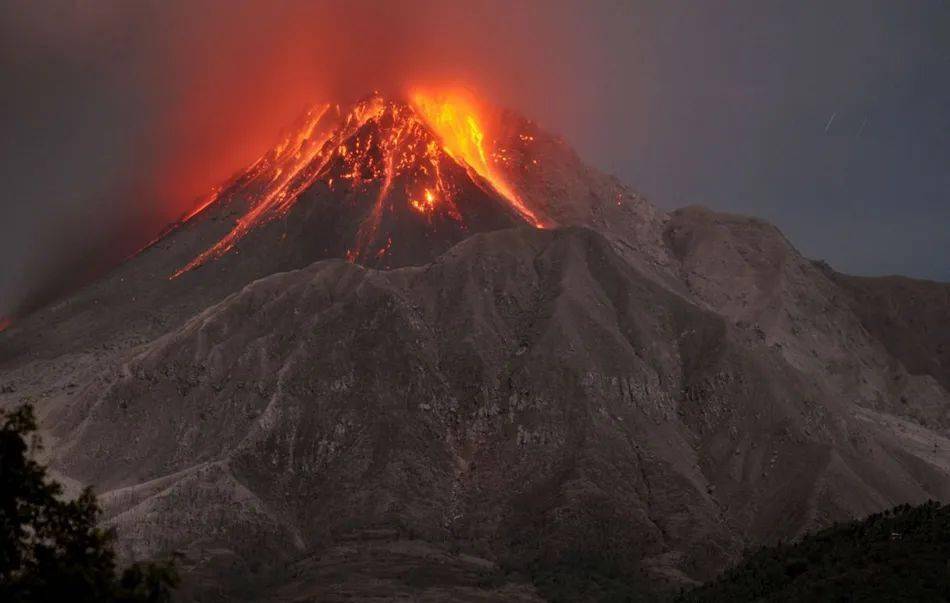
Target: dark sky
<point x="739" y="96"/>
<point x="830" y="119"/>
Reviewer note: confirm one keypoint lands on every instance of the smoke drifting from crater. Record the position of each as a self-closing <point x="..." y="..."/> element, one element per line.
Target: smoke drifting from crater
<point x="167" y="99"/>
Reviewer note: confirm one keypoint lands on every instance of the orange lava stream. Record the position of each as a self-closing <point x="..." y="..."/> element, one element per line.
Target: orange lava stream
<point x="369" y="227"/>
<point x="455" y="121"/>
<point x="205" y="203"/>
<point x="287" y="162"/>
<point x="401" y="147"/>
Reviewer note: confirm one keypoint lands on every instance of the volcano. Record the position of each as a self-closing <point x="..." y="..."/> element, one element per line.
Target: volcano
<point x="419" y="349"/>
<point x="382" y="182"/>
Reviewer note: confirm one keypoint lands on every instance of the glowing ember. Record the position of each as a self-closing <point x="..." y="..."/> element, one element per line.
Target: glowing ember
<point x="390" y="145"/>
<point x="426" y="204"/>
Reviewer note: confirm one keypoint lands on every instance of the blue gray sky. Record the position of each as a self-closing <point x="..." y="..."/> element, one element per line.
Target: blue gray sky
<point x="830" y="119"/>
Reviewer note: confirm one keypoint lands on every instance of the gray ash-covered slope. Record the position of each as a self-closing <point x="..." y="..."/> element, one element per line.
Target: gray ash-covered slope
<point x="651" y="392"/>
<point x="910" y="317"/>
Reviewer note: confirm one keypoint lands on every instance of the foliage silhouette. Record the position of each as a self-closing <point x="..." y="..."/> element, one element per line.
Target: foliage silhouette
<point x="902" y="554"/>
<point x="50" y="547"/>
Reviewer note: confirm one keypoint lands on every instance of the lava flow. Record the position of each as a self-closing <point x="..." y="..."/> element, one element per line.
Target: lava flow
<point x="5" y="323"/>
<point x="455" y="120"/>
<point x="376" y="145"/>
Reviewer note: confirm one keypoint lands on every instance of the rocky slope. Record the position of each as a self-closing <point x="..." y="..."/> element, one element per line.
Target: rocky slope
<point x="651" y="392"/>
<point x="910" y="317"/>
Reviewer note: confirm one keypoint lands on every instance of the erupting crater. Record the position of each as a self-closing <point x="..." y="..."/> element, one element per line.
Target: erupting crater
<point x="393" y="168"/>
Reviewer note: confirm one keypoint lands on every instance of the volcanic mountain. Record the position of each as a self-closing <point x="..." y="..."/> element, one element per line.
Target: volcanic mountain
<point x="388" y="184"/>
<point x="419" y="349"/>
<point x="381" y="182"/>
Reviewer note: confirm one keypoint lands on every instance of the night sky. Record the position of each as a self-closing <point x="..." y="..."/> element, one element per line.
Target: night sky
<point x="830" y="119"/>
<point x="739" y="97"/>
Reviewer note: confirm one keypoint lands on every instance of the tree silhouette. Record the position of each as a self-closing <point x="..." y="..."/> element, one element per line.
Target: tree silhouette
<point x="50" y="548"/>
<point x="901" y="554"/>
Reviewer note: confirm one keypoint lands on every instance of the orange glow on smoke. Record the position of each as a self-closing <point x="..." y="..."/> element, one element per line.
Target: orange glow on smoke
<point x="280" y="167"/>
<point x="205" y="203"/>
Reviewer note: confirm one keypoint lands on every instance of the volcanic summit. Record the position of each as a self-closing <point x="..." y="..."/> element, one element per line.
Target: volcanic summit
<point x="382" y="182"/>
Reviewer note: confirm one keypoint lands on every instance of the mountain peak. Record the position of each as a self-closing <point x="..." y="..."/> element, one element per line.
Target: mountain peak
<point x="425" y="164"/>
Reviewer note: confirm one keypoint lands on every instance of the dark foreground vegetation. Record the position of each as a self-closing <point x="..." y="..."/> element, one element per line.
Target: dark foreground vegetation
<point x="902" y="554"/>
<point x="50" y="547"/>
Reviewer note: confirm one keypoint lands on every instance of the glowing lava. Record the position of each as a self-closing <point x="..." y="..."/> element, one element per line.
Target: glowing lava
<point x="5" y="323"/>
<point x="390" y="145"/>
<point x="283" y="166"/>
<point x="455" y="119"/>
